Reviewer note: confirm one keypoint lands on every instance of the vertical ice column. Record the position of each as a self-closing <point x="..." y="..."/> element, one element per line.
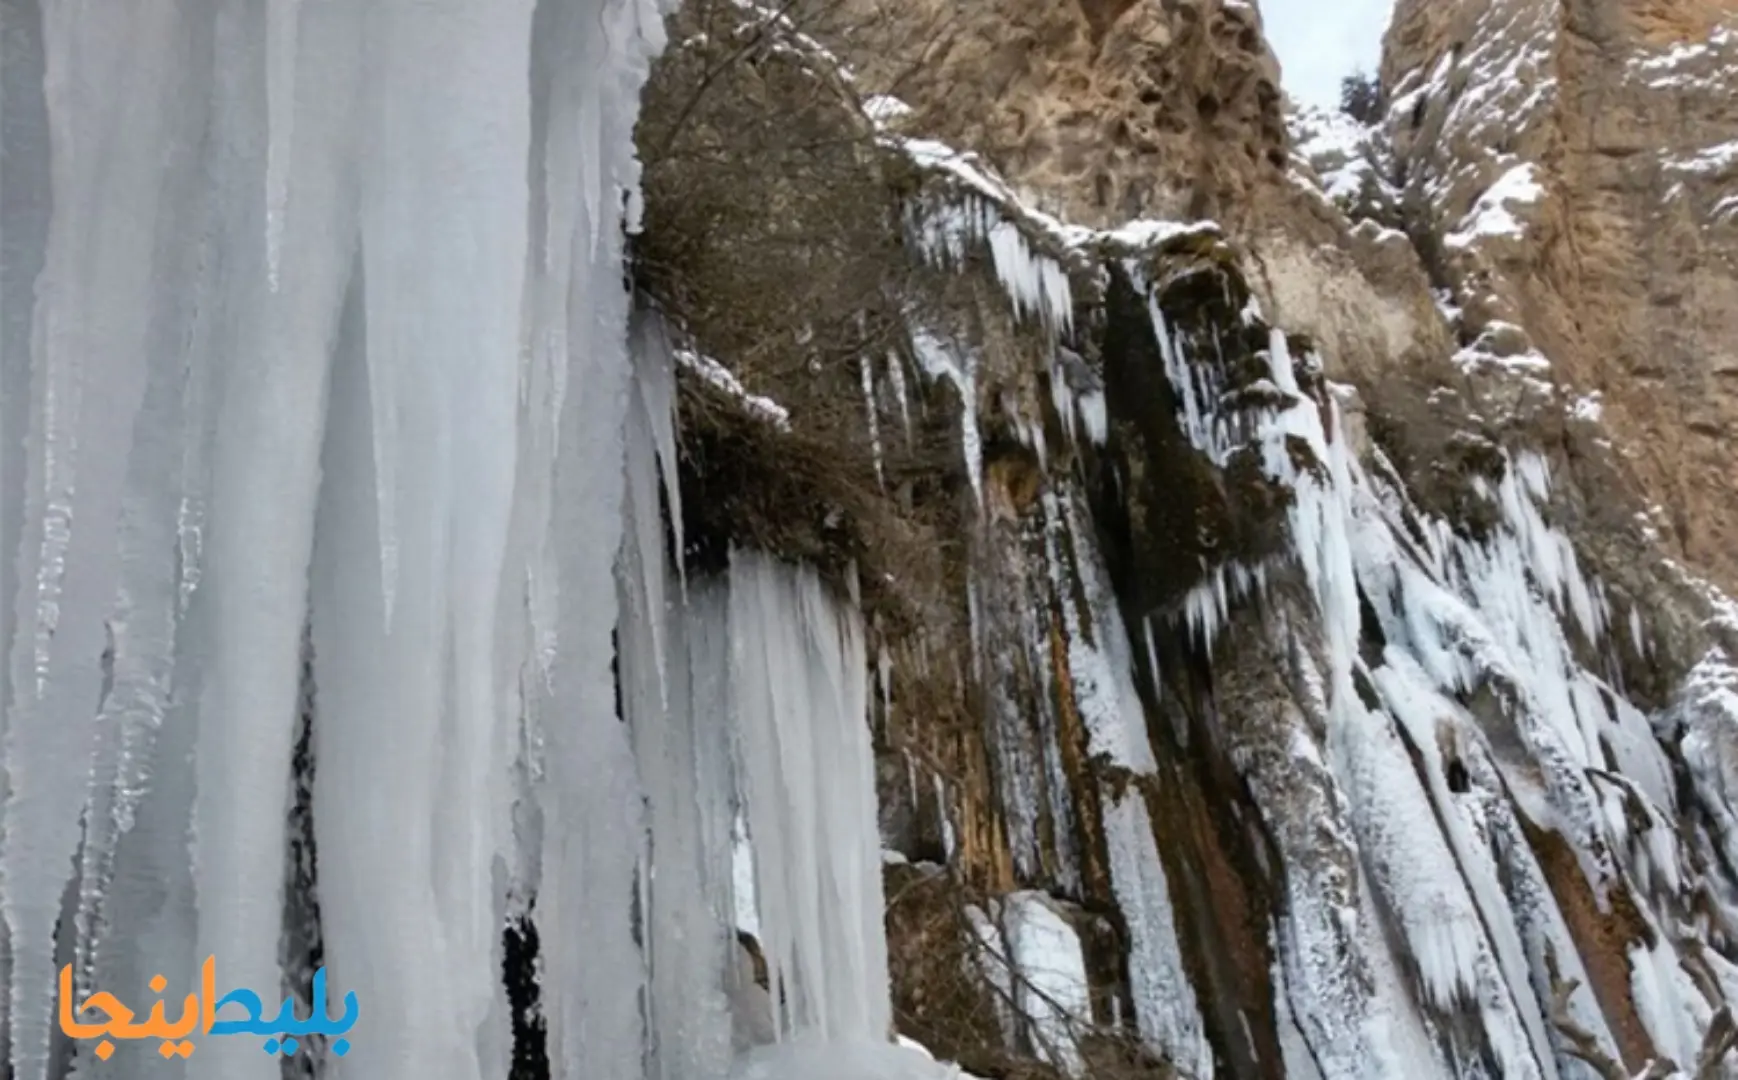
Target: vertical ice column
<point x="413" y="735"/>
<point x="274" y="351"/>
<point x="680" y="744"/>
<point x="589" y="59"/>
<point x="593" y="833"/>
<point x="466" y="309"/>
<point x="167" y="477"/>
<point x="800" y="674"/>
<point x="1167" y="1014"/>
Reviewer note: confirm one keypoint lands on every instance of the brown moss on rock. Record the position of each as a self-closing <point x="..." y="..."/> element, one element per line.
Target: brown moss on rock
<point x="1602" y="939"/>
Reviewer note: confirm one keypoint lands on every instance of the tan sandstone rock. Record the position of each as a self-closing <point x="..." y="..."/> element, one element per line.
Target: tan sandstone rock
<point x="1573" y="162"/>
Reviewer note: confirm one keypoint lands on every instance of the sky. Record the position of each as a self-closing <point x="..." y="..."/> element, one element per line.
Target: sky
<point x="1319" y="42"/>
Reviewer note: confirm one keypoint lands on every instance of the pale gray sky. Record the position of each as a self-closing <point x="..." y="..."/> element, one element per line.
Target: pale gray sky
<point x="1321" y="41"/>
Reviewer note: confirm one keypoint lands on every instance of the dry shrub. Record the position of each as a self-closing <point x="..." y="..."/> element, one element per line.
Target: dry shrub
<point x="772" y="239"/>
<point x="771" y="232"/>
<point x="943" y="998"/>
<point x="797" y="495"/>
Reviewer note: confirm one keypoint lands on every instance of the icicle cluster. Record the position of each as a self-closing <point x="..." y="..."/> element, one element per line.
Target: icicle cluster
<point x="1430" y="792"/>
<point x="329" y="411"/>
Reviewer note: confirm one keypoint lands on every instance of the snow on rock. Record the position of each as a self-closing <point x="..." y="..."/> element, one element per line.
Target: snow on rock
<point x="1666" y="76"/>
<point x="844" y="1060"/>
<point x="721" y="378"/>
<point x="1035" y="255"/>
<point x="1492" y="214"/>
<point x="1493" y="89"/>
<point x="1589" y="407"/>
<point x="1447" y="868"/>
<point x="1036" y="283"/>
<point x="1708" y="161"/>
<point x="1053" y="992"/>
<point x="884" y="108"/>
<point x="789" y="39"/>
<point x="1684" y="63"/>
<point x="1337" y="156"/>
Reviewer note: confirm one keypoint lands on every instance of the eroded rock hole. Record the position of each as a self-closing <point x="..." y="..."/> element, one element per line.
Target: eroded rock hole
<point x="1458" y="780"/>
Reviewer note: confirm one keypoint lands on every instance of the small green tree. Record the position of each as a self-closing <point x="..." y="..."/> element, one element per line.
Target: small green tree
<point x="1361" y="98"/>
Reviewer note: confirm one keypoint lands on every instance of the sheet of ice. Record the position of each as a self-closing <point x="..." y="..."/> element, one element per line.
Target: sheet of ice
<point x="1166" y="1012"/>
<point x="245" y="196"/>
<point x="1668" y="1003"/>
<point x="24" y="222"/>
<point x="1475" y="937"/>
<point x="1100" y="663"/>
<point x="1295" y="1055"/>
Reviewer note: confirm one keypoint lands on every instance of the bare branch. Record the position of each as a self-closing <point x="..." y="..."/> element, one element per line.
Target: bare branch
<point x="1721" y="1039"/>
<point x="754" y="40"/>
<point x="1577" y="1039"/>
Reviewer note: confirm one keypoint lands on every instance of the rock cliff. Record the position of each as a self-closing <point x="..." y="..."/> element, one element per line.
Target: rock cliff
<point x="1573" y="163"/>
<point x="1293" y="546"/>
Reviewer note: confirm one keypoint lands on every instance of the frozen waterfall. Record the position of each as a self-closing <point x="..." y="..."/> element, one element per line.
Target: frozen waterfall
<point x="321" y="410"/>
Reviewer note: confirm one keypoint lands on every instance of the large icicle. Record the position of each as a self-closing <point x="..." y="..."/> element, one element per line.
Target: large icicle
<point x="447" y="136"/>
<point x="588" y="63"/>
<point x="262" y="508"/>
<point x="677" y="711"/>
<point x="801" y="700"/>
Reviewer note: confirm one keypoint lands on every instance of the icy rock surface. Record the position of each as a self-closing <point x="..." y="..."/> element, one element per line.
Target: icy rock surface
<point x="1449" y="694"/>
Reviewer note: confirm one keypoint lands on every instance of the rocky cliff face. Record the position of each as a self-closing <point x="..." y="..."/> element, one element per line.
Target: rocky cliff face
<point x="1299" y="649"/>
<point x="1571" y="166"/>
